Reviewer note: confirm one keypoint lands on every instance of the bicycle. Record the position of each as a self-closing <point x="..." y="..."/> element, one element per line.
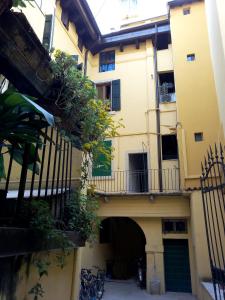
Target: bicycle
<point x="92" y="286"/>
<point x="99" y="283"/>
<point x="87" y="291"/>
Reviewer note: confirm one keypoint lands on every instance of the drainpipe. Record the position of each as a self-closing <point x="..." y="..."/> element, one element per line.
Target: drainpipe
<point x="159" y="146"/>
<point x="85" y="61"/>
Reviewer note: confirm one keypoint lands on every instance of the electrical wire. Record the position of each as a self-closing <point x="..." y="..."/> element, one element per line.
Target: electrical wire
<point x="100" y="9"/>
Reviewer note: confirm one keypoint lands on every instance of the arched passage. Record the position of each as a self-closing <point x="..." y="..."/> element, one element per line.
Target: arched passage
<point x="126" y="241"/>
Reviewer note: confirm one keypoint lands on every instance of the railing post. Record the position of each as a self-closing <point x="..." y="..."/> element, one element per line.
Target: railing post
<point x="23" y="178"/>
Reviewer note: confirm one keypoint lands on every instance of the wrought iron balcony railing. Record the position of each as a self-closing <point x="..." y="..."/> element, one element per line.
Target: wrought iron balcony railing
<point x="132" y="182"/>
<point x="52" y="182"/>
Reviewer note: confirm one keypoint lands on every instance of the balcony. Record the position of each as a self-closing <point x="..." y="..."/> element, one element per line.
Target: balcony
<point x="138" y="182"/>
<point x="168" y="97"/>
<point x="50" y="181"/>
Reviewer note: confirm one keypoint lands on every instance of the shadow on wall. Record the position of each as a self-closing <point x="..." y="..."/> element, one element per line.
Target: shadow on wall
<point x="127" y="242"/>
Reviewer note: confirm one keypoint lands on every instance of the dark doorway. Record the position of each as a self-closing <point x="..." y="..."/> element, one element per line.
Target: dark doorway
<point x="138" y="173"/>
<point x="177" y="266"/>
<point x="127" y="242"/>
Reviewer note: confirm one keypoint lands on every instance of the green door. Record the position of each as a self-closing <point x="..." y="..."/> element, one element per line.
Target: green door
<point x="177" y="266"/>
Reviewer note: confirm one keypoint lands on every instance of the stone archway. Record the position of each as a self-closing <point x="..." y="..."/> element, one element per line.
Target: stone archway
<point x="127" y="244"/>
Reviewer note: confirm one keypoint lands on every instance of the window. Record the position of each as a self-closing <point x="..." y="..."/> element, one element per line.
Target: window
<point x="75" y="58"/>
<point x="104" y="93"/>
<point x="65" y="18"/>
<point x="107" y="61"/>
<point x="167" y="87"/>
<point x="199" y="136"/>
<point x="169" y="147"/>
<point x="110" y="93"/>
<point x="163" y="41"/>
<point x="48" y="32"/>
<point x="174" y="226"/>
<point x="101" y="165"/>
<point x="191" y="57"/>
<point x="186" y="11"/>
<point x="80" y="44"/>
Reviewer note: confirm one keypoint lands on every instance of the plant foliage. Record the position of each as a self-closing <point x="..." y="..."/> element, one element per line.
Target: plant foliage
<point x="84" y="117"/>
<point x="81" y="214"/>
<point x="21" y="122"/>
<point x="21" y="3"/>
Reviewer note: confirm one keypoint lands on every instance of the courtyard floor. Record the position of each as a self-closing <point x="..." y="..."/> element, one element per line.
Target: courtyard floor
<point x="122" y="290"/>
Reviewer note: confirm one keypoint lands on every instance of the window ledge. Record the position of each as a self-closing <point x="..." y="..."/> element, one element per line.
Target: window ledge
<point x="112" y="112"/>
<point x="167" y="102"/>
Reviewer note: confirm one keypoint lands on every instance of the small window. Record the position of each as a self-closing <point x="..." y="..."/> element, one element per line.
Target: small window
<point x="186" y="11"/>
<point x="191" y="57"/>
<point x="169" y="147"/>
<point x="80" y="44"/>
<point x="198" y="136"/>
<point x="107" y="61"/>
<point x="174" y="226"/>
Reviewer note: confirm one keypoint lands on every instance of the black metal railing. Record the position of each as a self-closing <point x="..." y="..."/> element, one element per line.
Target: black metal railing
<point x="144" y="181"/>
<point x="48" y="179"/>
<point x="167" y="92"/>
<point x="213" y="196"/>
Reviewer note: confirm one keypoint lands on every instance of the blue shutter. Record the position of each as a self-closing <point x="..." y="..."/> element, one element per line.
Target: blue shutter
<point x="116" y="95"/>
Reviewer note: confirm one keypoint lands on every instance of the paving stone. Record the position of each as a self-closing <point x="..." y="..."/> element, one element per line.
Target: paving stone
<point x="122" y="290"/>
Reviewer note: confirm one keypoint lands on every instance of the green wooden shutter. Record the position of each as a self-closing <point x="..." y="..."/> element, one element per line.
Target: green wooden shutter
<point x="116" y="95"/>
<point x="101" y="167"/>
<point x="48" y="32"/>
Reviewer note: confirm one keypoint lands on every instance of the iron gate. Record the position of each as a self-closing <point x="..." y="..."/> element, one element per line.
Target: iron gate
<point x="213" y="196"/>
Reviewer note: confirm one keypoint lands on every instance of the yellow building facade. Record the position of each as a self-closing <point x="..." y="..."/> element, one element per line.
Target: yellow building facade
<point x="168" y="95"/>
<point x="160" y="78"/>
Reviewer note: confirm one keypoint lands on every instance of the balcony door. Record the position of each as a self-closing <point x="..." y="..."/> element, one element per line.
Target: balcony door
<point x="138" y="173"/>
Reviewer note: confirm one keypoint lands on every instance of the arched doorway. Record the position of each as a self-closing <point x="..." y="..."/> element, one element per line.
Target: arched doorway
<point x="126" y="242"/>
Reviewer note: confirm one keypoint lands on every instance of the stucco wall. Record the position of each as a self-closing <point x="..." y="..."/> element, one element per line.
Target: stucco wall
<point x="195" y="89"/>
<point x="60" y="282"/>
<point x="215" y="12"/>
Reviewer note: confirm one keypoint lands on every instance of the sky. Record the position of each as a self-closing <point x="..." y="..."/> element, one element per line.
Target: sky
<point x="108" y="12"/>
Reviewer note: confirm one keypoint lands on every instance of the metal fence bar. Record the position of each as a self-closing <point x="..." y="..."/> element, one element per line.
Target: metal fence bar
<point x="142" y="181"/>
<point x="213" y="190"/>
<point x="42" y="162"/>
<point x="49" y="162"/>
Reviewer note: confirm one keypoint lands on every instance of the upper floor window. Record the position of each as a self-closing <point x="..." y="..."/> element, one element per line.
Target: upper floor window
<point x="107" y="61"/>
<point x="191" y="57"/>
<point x="65" y="18"/>
<point x="48" y="32"/>
<point x="167" y="91"/>
<point x="80" y="44"/>
<point x="186" y="11"/>
<point x="109" y="92"/>
<point x="169" y="147"/>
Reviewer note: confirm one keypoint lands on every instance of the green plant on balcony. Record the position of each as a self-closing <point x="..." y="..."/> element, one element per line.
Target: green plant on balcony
<point x="21" y="122"/>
